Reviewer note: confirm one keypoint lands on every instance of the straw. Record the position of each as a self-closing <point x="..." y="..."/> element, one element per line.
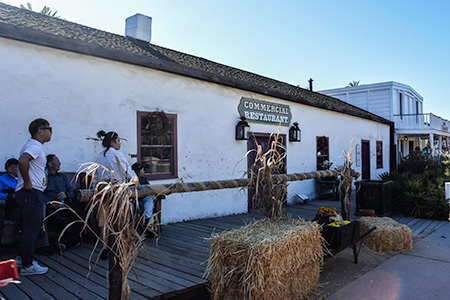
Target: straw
<point x="389" y="235"/>
<point x="269" y="259"/>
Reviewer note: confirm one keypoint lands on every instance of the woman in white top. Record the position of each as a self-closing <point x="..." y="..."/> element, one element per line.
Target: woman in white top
<point x="118" y="166"/>
<point x="112" y="159"/>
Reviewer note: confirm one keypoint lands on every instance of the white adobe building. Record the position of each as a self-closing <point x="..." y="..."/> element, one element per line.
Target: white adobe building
<point x="84" y="80"/>
<point x="401" y="104"/>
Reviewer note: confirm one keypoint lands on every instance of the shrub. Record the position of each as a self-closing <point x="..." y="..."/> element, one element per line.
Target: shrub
<point x="419" y="195"/>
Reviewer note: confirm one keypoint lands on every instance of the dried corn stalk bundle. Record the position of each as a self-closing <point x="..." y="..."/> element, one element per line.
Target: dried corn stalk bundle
<point x="389" y="235"/>
<point x="268" y="259"/>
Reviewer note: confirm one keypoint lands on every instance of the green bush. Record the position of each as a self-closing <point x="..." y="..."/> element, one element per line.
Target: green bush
<point x="418" y="188"/>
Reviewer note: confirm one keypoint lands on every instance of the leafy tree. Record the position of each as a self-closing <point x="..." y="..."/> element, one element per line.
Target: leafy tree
<point x="353" y="83"/>
<point x="44" y="11"/>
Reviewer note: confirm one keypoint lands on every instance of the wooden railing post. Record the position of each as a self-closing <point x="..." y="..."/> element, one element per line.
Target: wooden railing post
<point x="115" y="272"/>
<point x="157" y="212"/>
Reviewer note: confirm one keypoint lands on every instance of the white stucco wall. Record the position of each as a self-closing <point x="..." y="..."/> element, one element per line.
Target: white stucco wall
<point x="80" y="95"/>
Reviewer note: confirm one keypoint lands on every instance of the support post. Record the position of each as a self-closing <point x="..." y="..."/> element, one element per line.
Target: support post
<point x="447" y="192"/>
<point x="115" y="273"/>
<point x="157" y="211"/>
<point x="432" y="144"/>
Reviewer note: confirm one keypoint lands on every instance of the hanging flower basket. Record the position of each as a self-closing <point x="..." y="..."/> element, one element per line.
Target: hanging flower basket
<point x="157" y="123"/>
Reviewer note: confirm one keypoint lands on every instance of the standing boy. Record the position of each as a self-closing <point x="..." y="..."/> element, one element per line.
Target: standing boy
<point x="30" y="197"/>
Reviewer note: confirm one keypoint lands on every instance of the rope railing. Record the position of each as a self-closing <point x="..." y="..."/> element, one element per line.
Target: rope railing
<point x="185" y="187"/>
<point x="161" y="190"/>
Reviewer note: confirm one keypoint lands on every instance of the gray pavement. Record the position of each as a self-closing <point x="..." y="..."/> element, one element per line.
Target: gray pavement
<point x="423" y="273"/>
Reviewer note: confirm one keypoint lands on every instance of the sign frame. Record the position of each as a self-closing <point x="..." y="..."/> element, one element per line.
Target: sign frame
<point x="260" y="111"/>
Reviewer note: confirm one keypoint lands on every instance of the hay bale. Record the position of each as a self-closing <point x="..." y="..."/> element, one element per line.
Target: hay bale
<point x="389" y="235"/>
<point x="268" y="259"/>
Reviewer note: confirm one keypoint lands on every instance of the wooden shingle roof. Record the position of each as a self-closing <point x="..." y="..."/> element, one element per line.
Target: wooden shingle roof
<point x="31" y="27"/>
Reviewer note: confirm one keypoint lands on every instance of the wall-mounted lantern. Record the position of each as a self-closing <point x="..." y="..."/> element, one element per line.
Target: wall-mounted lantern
<point x="242" y="129"/>
<point x="295" y="134"/>
<point x="405" y="138"/>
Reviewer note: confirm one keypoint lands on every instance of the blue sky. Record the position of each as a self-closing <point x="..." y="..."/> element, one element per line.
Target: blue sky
<point x="333" y="42"/>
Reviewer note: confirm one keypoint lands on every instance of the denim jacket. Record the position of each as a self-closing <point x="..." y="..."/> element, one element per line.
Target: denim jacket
<point x="57" y="183"/>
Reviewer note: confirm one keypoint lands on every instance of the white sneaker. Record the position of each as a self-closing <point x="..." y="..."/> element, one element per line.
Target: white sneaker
<point x="34" y="269"/>
<point x="18" y="260"/>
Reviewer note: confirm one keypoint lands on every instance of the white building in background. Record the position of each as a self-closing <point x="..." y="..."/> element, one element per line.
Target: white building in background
<point x="84" y="80"/>
<point x="401" y="104"/>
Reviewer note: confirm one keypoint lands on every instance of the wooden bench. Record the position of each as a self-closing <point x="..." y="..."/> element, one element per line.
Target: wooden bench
<point x="326" y="184"/>
<point x="10" y="229"/>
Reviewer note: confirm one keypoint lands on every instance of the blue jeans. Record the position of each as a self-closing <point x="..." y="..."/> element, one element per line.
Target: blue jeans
<point x="146" y="205"/>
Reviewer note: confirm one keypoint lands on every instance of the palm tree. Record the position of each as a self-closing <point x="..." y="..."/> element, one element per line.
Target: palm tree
<point x="353" y="83"/>
<point x="44" y="11"/>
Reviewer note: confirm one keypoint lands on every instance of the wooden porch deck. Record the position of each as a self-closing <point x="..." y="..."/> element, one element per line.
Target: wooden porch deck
<point x="174" y="271"/>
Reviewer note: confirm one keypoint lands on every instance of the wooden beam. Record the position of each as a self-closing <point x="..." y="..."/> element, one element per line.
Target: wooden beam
<point x="181" y="187"/>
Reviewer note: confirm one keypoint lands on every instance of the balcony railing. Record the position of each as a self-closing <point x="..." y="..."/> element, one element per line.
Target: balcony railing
<point x="421" y="122"/>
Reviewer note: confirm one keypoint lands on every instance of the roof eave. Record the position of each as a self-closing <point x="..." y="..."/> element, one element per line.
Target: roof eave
<point x="63" y="43"/>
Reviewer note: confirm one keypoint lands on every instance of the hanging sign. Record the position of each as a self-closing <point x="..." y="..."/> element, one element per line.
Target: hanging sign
<point x="358" y="155"/>
<point x="265" y="112"/>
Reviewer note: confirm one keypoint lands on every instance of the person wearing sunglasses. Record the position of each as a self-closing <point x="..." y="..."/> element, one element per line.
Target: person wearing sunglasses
<point x="31" y="183"/>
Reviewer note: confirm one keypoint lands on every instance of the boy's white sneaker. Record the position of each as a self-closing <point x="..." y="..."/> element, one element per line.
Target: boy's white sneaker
<point x="34" y="269"/>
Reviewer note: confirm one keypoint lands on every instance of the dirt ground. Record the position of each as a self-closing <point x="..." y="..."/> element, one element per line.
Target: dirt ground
<point x="340" y="270"/>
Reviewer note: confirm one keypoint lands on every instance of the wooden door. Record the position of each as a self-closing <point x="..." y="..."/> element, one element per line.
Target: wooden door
<point x="264" y="140"/>
<point x="365" y="159"/>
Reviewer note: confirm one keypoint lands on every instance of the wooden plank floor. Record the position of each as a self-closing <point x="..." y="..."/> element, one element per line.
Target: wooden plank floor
<point x="175" y="268"/>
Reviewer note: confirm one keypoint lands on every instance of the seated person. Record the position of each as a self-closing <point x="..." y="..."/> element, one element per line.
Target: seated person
<point x="145" y="203"/>
<point x="60" y="190"/>
<point x="8" y="184"/>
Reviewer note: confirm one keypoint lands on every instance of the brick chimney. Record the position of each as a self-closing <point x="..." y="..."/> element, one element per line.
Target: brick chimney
<point x="139" y="27"/>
